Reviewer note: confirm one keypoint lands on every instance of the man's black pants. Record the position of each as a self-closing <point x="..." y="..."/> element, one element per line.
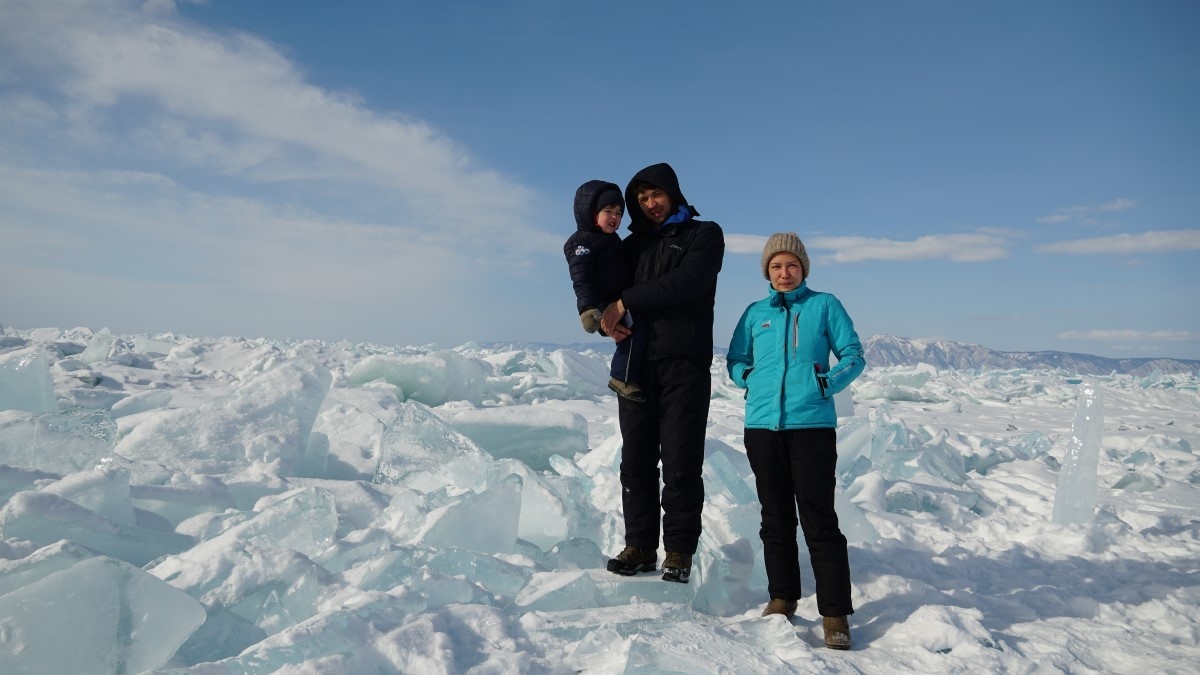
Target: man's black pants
<point x="669" y="427"/>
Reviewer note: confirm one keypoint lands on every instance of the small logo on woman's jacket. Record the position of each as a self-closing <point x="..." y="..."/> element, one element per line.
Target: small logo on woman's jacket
<point x="766" y="324"/>
<point x="582" y="250"/>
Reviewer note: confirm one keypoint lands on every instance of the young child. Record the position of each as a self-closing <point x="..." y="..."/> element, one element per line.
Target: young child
<point x="780" y="354"/>
<point x="599" y="272"/>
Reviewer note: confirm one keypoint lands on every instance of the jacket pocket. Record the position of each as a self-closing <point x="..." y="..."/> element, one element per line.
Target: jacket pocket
<point x="746" y="377"/>
<point x="803" y="388"/>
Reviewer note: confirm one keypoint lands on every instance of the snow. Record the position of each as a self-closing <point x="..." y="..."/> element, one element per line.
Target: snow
<point x="222" y="505"/>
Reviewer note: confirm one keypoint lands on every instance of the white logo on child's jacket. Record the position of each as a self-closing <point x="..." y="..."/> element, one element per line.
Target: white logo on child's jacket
<point x="766" y="324"/>
<point x="582" y="250"/>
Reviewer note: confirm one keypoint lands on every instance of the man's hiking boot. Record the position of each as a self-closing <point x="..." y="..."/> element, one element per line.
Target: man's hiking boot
<point x="677" y="567"/>
<point x="633" y="560"/>
<point x="630" y="391"/>
<point x="776" y="606"/>
<point x="837" y="632"/>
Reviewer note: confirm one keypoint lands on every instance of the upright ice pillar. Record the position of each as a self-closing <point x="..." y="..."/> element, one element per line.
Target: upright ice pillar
<point x="1075" y="499"/>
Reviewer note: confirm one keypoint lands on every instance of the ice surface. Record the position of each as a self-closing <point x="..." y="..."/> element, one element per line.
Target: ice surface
<point x="45" y="518"/>
<point x="104" y="491"/>
<point x="14" y="479"/>
<point x="177" y="503"/>
<point x="691" y="647"/>
<point x="158" y="346"/>
<point x="72" y="440"/>
<point x="1137" y="482"/>
<point x="843" y="403"/>
<point x="580" y="374"/>
<point x="531" y="434"/>
<point x="42" y="562"/>
<point x="25" y="382"/>
<point x="548" y="511"/>
<point x="140" y="403"/>
<point x="420" y="451"/>
<point x="99" y="348"/>
<point x="501" y="578"/>
<point x="98" y="615"/>
<point x="853" y="522"/>
<point x="266" y="421"/>
<point x="723" y="478"/>
<point x="485" y="522"/>
<point x="1075" y="499"/>
<point x="385" y="539"/>
<point x="432" y="379"/>
<point x="348" y="432"/>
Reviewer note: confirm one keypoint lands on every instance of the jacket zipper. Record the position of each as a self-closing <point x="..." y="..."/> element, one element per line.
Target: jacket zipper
<point x="792" y="322"/>
<point x="660" y="260"/>
<point x="787" y="316"/>
<point x="795" y="334"/>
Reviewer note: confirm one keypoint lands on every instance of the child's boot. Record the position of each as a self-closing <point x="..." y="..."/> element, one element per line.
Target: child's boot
<point x="630" y="391"/>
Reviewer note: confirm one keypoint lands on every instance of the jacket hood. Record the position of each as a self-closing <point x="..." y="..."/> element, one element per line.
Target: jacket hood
<point x="662" y="176"/>
<point x="585" y="203"/>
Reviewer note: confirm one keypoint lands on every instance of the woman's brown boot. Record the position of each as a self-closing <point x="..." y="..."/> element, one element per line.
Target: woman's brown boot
<point x="837" y="632"/>
<point x="777" y="606"/>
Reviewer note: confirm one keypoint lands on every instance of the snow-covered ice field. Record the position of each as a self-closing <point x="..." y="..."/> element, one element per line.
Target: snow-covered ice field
<point x="223" y="505"/>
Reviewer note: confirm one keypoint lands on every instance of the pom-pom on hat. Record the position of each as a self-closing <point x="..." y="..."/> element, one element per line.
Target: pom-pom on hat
<point x="610" y="197"/>
<point x="784" y="242"/>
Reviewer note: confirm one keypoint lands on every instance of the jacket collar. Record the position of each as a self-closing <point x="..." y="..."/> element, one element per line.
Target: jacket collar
<point x="787" y="298"/>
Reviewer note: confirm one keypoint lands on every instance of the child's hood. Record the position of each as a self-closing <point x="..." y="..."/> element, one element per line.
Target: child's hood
<point x="585" y="203"/>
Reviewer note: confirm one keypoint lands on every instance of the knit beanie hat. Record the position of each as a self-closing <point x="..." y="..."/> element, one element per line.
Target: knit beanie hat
<point x="784" y="242"/>
<point x="610" y="197"/>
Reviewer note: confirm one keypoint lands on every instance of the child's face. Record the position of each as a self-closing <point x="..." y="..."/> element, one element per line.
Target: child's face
<point x="785" y="272"/>
<point x="608" y="219"/>
<point x="655" y="203"/>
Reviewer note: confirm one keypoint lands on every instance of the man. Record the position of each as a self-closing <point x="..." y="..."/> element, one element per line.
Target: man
<point x="675" y="259"/>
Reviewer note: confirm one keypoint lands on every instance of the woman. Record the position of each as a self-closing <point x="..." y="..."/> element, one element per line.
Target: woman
<point x="780" y="354"/>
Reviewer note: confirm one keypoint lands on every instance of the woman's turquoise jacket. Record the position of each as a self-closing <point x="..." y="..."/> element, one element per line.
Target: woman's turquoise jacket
<point x="780" y="354"/>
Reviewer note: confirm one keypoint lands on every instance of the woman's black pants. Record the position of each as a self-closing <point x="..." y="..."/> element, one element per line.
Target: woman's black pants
<point x="794" y="472"/>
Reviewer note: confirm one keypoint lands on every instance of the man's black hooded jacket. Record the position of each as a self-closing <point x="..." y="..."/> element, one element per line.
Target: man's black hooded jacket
<point x="675" y="272"/>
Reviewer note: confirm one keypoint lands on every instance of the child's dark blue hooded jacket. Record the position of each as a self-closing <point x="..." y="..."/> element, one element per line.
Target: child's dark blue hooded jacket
<point x="599" y="271"/>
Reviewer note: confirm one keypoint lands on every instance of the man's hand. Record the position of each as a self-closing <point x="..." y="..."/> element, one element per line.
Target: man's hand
<point x="611" y="324"/>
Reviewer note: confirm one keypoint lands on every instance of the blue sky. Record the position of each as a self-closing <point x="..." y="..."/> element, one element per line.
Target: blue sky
<point x="1020" y="175"/>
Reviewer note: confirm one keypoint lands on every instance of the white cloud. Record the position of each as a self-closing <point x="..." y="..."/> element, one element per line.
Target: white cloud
<point x="140" y="243"/>
<point x="1116" y="205"/>
<point x="1127" y="334"/>
<point x="1082" y="213"/>
<point x="1159" y="241"/>
<point x="745" y="243"/>
<point x="150" y="86"/>
<point x="206" y="172"/>
<point x="978" y="247"/>
<point x="1056" y="218"/>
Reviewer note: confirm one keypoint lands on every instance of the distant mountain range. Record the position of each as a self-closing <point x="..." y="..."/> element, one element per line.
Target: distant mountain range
<point x="888" y="350"/>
